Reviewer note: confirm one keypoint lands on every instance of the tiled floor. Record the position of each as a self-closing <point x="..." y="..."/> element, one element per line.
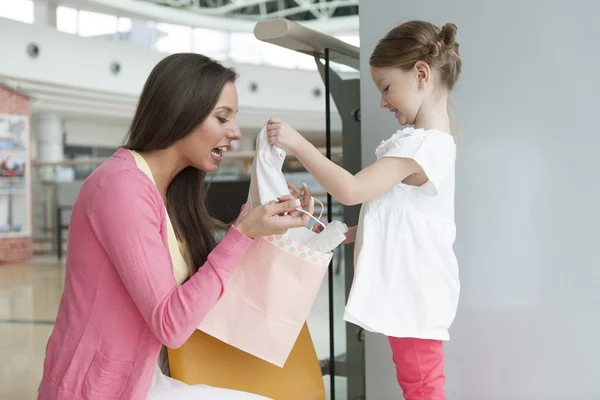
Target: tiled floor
<point x="29" y="298"/>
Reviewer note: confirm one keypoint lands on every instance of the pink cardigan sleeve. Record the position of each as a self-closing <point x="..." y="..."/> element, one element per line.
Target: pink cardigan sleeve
<point x="126" y="216"/>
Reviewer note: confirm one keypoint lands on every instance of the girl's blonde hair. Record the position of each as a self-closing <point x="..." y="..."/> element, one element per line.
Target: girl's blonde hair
<point x="416" y="41"/>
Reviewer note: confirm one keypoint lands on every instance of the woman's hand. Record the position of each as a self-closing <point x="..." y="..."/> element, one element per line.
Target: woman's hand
<point x="275" y="218"/>
<point x="307" y="202"/>
<point x="304" y="194"/>
<point x="282" y="135"/>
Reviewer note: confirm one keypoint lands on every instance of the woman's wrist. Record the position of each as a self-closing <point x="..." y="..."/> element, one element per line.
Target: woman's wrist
<point x="241" y="228"/>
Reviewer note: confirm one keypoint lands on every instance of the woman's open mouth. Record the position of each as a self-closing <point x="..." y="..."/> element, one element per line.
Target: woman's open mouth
<point x="217" y="153"/>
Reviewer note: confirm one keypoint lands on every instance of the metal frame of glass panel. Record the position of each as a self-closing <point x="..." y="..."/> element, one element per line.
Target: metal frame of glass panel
<point x="328" y="50"/>
<point x="346" y="95"/>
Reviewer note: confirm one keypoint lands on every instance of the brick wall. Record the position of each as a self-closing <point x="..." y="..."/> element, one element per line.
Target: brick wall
<point x="12" y="102"/>
<point x="16" y="249"/>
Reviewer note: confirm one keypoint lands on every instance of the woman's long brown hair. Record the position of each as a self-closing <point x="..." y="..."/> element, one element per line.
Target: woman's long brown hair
<point x="180" y="93"/>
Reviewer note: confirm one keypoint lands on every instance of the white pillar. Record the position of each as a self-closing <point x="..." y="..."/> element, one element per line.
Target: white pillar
<point x="48" y="135"/>
<point x="44" y="12"/>
<point x="247" y="141"/>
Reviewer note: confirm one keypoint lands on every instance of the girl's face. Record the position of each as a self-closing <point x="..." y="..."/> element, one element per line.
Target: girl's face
<point x="400" y="92"/>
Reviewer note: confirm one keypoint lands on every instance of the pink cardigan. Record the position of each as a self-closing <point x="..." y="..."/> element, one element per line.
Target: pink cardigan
<point x="121" y="301"/>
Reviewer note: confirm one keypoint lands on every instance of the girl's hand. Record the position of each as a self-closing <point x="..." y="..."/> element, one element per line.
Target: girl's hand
<point x="350" y="235"/>
<point x="282" y="135"/>
<point x="270" y="219"/>
<point x="318" y="228"/>
<point x="306" y="201"/>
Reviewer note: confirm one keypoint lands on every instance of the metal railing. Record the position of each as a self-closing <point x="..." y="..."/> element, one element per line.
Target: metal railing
<point x="55" y="186"/>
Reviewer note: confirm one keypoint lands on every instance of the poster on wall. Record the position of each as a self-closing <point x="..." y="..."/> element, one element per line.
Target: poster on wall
<point x="13" y="151"/>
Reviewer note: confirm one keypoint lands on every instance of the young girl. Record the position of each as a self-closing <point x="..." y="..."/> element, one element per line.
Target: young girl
<point x="406" y="283"/>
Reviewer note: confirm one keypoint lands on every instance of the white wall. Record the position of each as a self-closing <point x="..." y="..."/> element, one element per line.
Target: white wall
<point x="100" y="132"/>
<point x="75" y="61"/>
<point x="72" y="76"/>
<point x="528" y="196"/>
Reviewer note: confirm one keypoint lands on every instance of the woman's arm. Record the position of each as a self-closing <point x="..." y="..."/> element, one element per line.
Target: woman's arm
<point x="126" y="218"/>
<point x="348" y="189"/>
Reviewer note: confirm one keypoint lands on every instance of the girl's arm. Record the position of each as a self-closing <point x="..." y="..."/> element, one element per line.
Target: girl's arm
<point x="351" y="235"/>
<point x="348" y="189"/>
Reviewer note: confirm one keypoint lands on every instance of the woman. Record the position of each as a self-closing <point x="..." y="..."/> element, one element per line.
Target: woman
<point x="140" y="231"/>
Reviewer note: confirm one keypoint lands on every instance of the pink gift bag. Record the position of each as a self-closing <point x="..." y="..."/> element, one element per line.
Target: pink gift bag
<point x="267" y="299"/>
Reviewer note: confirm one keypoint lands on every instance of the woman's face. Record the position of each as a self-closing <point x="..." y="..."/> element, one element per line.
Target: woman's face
<point x="203" y="148"/>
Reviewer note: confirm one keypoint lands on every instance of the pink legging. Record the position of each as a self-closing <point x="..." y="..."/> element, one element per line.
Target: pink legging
<point x="419" y="368"/>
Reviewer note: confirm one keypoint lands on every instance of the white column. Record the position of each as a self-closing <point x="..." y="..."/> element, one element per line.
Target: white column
<point x="247" y="141"/>
<point x="48" y="135"/>
<point x="44" y="12"/>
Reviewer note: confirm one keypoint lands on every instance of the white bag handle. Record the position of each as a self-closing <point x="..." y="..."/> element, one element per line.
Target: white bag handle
<point x="317" y="220"/>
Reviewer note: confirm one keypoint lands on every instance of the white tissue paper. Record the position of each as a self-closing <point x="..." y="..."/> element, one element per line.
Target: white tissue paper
<point x="267" y="183"/>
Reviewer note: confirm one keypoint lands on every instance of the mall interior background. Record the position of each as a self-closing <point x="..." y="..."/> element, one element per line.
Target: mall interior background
<point x="70" y="75"/>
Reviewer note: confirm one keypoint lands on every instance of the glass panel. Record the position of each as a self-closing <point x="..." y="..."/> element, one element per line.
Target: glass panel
<point x="137" y="32"/>
<point x="281" y="57"/>
<point x="351" y="38"/>
<point x="173" y="38"/>
<point x="306" y="62"/>
<point x="245" y="48"/>
<point x="343" y="92"/>
<point x="18" y="10"/>
<point x="211" y="42"/>
<point x="96" y="24"/>
<point x="278" y="56"/>
<point x="123" y="24"/>
<point x="66" y="20"/>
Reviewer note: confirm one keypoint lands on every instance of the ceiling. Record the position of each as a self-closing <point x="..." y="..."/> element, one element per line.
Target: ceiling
<point x="296" y="10"/>
<point x="327" y="16"/>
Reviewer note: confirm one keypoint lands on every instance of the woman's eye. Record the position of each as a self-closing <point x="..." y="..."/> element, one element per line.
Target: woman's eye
<point x="386" y="89"/>
<point x="223" y="120"/>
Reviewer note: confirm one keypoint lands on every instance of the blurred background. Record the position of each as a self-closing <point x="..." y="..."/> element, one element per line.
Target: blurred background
<point x="528" y="182"/>
<point x="70" y="76"/>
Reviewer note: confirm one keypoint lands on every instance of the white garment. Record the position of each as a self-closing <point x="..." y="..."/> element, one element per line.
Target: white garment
<point x="162" y="386"/>
<point x="268" y="183"/>
<point x="406" y="281"/>
<point x="166" y="388"/>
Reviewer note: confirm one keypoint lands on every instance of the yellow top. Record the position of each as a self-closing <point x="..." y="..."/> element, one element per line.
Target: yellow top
<point x="180" y="267"/>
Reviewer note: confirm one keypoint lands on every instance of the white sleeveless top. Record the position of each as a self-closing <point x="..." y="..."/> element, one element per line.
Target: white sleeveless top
<point x="406" y="281"/>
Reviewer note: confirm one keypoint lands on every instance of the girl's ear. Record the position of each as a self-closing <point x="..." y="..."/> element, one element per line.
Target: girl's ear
<point x="423" y="73"/>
